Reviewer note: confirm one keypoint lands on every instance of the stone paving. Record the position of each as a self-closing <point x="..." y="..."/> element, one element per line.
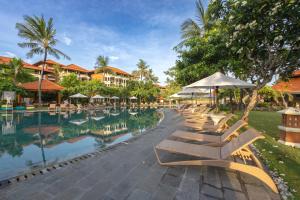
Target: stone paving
<point x="130" y="171"/>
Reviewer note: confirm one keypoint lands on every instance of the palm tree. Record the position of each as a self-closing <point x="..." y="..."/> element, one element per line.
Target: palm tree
<point x="150" y="76"/>
<point x="15" y="71"/>
<point x="56" y="72"/>
<point x="195" y="28"/>
<point x="40" y="38"/>
<point x="142" y="70"/>
<point x="101" y="63"/>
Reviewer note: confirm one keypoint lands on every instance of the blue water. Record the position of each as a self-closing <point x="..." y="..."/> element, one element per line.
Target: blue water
<point x="30" y="140"/>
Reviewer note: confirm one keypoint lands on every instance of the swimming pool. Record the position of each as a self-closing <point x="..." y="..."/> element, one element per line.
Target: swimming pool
<point x="30" y="140"/>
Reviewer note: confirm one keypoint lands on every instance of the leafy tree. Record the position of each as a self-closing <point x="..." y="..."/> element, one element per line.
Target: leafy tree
<point x="69" y="81"/>
<point x="145" y="91"/>
<point x="40" y="36"/>
<point x="200" y="57"/>
<point x="265" y="35"/>
<point x="170" y="89"/>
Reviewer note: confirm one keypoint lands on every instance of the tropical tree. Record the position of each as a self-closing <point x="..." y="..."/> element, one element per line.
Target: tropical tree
<point x="40" y="38"/>
<point x="142" y="70"/>
<point x="57" y="72"/>
<point x="101" y="63"/>
<point x="16" y="72"/>
<point x="265" y="35"/>
<point x="150" y="76"/>
<point x="195" y="28"/>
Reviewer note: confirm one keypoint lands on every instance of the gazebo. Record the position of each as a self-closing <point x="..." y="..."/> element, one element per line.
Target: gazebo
<point x="46" y="87"/>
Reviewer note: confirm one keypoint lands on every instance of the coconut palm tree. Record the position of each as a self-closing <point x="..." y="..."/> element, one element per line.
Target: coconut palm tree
<point x="194" y="28"/>
<point x="15" y="71"/>
<point x="101" y="63"/>
<point x="57" y="72"/>
<point x="142" y="70"/>
<point x="40" y="38"/>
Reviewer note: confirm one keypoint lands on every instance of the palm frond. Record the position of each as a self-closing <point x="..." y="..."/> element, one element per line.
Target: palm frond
<point x="200" y="13"/>
<point x="190" y="29"/>
<point x="28" y="45"/>
<point x="35" y="51"/>
<point x="57" y="53"/>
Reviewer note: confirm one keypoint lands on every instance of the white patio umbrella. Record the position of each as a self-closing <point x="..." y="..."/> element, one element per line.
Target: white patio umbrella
<point x="78" y="96"/>
<point x="98" y="97"/>
<point x="193" y="91"/>
<point x="115" y="98"/>
<point x="133" y="98"/>
<point x="219" y="80"/>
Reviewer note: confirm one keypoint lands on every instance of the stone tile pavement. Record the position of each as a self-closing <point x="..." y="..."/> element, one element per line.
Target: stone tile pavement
<point x="130" y="171"/>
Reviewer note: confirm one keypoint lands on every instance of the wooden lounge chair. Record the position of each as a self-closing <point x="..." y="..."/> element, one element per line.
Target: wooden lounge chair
<point x="63" y="107"/>
<point x="222" y="125"/>
<point x="218" y="156"/>
<point x="72" y="107"/>
<point x="210" y="139"/>
<point x="52" y="107"/>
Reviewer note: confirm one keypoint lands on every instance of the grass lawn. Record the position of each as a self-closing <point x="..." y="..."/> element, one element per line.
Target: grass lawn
<point x="274" y="152"/>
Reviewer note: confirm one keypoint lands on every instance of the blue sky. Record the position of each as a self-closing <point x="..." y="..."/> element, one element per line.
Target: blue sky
<point x="124" y="30"/>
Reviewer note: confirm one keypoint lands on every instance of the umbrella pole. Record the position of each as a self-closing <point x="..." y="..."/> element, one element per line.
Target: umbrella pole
<point x="230" y="99"/>
<point x="210" y="98"/>
<point x="217" y="100"/>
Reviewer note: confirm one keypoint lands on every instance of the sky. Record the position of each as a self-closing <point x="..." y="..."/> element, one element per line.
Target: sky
<point x="123" y="30"/>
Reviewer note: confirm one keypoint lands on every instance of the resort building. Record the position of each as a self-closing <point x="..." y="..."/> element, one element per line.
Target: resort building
<point x="82" y="74"/>
<point x="291" y="86"/>
<point x="34" y="70"/>
<point x="112" y="77"/>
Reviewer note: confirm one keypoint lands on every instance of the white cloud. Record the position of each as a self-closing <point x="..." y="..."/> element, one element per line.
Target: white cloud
<point x="10" y="54"/>
<point x="67" y="40"/>
<point x="113" y="58"/>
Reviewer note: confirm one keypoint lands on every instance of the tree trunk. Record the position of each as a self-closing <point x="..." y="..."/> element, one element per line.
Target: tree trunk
<point x="251" y="104"/>
<point x="40" y="80"/>
<point x="241" y="99"/>
<point x="230" y="100"/>
<point x="283" y="100"/>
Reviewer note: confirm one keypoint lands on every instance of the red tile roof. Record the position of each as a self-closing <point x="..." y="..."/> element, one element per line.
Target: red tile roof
<point x="44" y="129"/>
<point x="74" y="67"/>
<point x="6" y="60"/>
<point x="292" y="86"/>
<point x="115" y="70"/>
<point x="296" y="73"/>
<point x="49" y="62"/>
<point x="47" y="86"/>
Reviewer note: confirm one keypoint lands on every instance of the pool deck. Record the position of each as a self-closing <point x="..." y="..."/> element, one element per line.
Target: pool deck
<point x="130" y="171"/>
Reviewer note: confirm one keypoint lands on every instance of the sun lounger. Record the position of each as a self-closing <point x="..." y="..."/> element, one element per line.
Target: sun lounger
<point x="72" y="107"/>
<point x="222" y="125"/>
<point x="210" y="139"/>
<point x="63" y="107"/>
<point x="219" y="156"/>
<point x="52" y="107"/>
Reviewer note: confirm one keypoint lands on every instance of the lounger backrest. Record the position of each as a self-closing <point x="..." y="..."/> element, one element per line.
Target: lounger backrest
<point x="223" y="122"/>
<point x="242" y="141"/>
<point x="232" y="129"/>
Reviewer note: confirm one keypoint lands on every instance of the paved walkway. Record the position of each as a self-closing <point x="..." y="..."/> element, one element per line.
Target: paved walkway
<point x="130" y="171"/>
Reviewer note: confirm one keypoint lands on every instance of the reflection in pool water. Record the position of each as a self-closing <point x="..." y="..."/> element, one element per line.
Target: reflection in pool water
<point x="28" y="140"/>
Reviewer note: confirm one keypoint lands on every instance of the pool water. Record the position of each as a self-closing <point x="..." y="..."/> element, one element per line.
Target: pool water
<point x="30" y="140"/>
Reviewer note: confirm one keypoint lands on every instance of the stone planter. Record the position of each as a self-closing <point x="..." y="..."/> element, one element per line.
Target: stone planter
<point x="290" y="128"/>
